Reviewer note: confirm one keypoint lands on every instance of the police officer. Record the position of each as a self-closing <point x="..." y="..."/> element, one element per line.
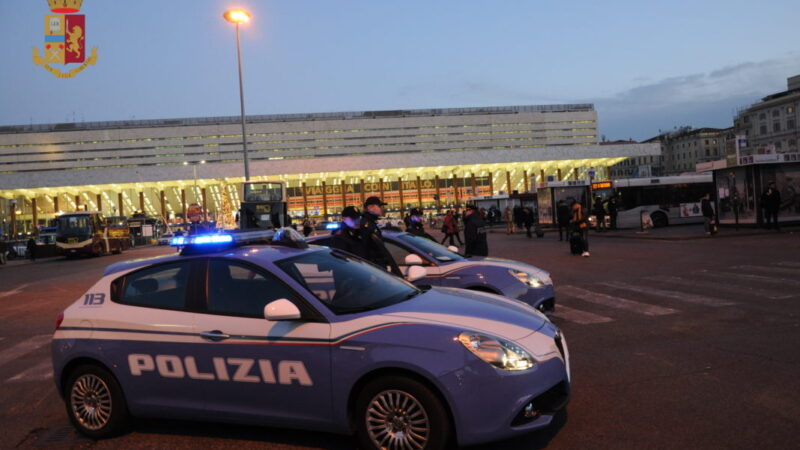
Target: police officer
<point x="373" y="247"/>
<point x="416" y="226"/>
<point x="475" y="233"/>
<point x="348" y="237"/>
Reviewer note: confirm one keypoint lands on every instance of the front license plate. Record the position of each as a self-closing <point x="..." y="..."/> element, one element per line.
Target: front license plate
<point x="72" y="240"/>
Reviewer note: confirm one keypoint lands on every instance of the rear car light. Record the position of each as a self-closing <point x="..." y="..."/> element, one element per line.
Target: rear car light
<point x="59" y="319"/>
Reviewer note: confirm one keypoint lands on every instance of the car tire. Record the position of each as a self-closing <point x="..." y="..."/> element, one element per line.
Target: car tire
<point x="95" y="403"/>
<point x="399" y="412"/>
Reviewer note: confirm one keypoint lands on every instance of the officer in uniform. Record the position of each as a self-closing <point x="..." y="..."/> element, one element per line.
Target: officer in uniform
<point x="348" y="238"/>
<point x="475" y="233"/>
<point x="373" y="247"/>
<point x="416" y="226"/>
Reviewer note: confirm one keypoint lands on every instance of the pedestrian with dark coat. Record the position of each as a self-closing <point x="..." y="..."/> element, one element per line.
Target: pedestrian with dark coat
<point x="611" y="204"/>
<point x="527" y="221"/>
<point x="416" y="226"/>
<point x="579" y="226"/>
<point x="599" y="213"/>
<point x="348" y="237"/>
<point x="450" y="228"/>
<point x="563" y="216"/>
<point x="371" y="239"/>
<point x="708" y="214"/>
<point x="771" y="202"/>
<point x="31" y="246"/>
<point x="475" y="233"/>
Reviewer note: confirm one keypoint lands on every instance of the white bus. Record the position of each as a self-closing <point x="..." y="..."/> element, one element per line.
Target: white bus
<point x="661" y="201"/>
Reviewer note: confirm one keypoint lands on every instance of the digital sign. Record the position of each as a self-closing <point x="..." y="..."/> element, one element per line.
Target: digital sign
<point x="601" y="185"/>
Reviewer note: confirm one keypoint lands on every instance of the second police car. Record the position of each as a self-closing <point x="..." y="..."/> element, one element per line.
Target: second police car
<point x="308" y="338"/>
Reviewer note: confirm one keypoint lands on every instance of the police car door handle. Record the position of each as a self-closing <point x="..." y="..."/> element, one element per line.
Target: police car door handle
<point x="214" y="335"/>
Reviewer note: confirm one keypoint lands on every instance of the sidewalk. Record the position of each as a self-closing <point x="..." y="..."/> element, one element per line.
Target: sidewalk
<point x="688" y="232"/>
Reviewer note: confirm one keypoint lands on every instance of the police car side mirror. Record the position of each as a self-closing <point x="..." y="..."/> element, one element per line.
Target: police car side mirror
<point x="281" y="309"/>
<point x="453" y="248"/>
<point x="416" y="273"/>
<point x="413" y="260"/>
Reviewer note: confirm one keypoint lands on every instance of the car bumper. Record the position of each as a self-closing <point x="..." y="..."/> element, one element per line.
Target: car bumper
<point x="543" y="298"/>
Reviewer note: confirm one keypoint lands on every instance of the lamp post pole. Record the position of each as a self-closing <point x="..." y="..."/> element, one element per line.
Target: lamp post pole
<point x="239" y="16"/>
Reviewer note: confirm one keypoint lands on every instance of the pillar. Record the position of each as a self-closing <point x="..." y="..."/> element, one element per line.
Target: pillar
<point x="56" y="209"/>
<point x="163" y="201"/>
<point x="99" y="202"/>
<point x="491" y="184"/>
<point x="455" y="194"/>
<point x="363" y="198"/>
<point x="141" y="202"/>
<point x="344" y="193"/>
<point x="419" y="193"/>
<point x="558" y="171"/>
<point x="12" y="210"/>
<point x="35" y="216"/>
<point x="438" y="196"/>
<point x="380" y="186"/>
<point x="400" y="190"/>
<point x="205" y="204"/>
<point x="575" y="172"/>
<point x="525" y="180"/>
<point x="324" y="202"/>
<point x="508" y="182"/>
<point x="305" y="201"/>
<point x="77" y="203"/>
<point x="120" y="205"/>
<point x="541" y="174"/>
<point x="474" y="185"/>
<point x="183" y="203"/>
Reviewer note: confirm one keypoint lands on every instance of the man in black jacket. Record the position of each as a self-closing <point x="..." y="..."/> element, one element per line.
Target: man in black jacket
<point x="416" y="226"/>
<point x="372" y="242"/>
<point x="348" y="238"/>
<point x="475" y="233"/>
<point x="771" y="202"/>
<point x="708" y="214"/>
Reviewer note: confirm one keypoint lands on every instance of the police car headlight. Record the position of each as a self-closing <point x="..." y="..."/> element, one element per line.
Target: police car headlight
<point x="530" y="279"/>
<point x="497" y="352"/>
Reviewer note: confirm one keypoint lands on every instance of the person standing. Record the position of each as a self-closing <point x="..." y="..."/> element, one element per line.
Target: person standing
<point x="450" y="228"/>
<point x="416" y="226"/>
<point x="475" y="233"/>
<point x="612" y="211"/>
<point x="307" y="229"/>
<point x="31" y="246"/>
<point x="527" y="221"/>
<point x="579" y="227"/>
<point x="348" y="237"/>
<point x="771" y="202"/>
<point x="371" y="239"/>
<point x="708" y="214"/>
<point x="509" y="219"/>
<point x="563" y="217"/>
<point x="599" y="213"/>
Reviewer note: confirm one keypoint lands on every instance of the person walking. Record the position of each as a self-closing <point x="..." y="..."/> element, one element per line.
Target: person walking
<point x="612" y="211"/>
<point x="509" y="220"/>
<point x="563" y="217"/>
<point x="348" y="237"/>
<point x="450" y="228"/>
<point x="31" y="246"/>
<point x="599" y="213"/>
<point x="307" y="228"/>
<point x="580" y="229"/>
<point x="708" y="214"/>
<point x="371" y="239"/>
<point x="527" y="221"/>
<point x="416" y="225"/>
<point x="475" y="233"/>
<point x="771" y="203"/>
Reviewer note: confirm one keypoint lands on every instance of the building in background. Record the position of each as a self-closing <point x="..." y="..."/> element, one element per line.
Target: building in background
<point x="433" y="159"/>
<point x="638" y="166"/>
<point x="771" y="125"/>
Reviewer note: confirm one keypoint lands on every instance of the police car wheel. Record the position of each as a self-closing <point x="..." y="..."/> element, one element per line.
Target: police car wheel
<point x="95" y="404"/>
<point x="400" y="413"/>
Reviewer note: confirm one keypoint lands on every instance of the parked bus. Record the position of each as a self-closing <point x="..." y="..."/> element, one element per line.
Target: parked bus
<point x="89" y="233"/>
<point x="265" y="206"/>
<point x="657" y="201"/>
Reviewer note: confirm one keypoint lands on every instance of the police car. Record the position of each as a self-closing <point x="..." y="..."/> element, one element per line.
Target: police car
<point x="445" y="267"/>
<point x="309" y="338"/>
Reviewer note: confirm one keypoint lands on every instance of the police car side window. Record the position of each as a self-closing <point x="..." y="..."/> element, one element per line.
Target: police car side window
<point x="398" y="253"/>
<point x="162" y="286"/>
<point x="238" y="289"/>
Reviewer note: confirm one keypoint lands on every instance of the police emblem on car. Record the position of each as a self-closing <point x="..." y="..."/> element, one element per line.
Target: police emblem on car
<point x="265" y="329"/>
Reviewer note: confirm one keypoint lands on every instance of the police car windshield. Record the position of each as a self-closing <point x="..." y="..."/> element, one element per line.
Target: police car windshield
<point x="430" y="248"/>
<point x="345" y="284"/>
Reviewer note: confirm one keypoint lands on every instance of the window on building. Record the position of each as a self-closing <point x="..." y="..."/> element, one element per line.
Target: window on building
<point x="776" y="126"/>
<point x="778" y="145"/>
<point x="762" y="129"/>
<point x="790" y="109"/>
<point x="762" y="116"/>
<point x="746" y="119"/>
<point x="776" y="112"/>
<point x="790" y="124"/>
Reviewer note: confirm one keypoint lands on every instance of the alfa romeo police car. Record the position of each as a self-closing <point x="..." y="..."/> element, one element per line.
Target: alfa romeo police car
<point x="310" y="338"/>
<point x="445" y="267"/>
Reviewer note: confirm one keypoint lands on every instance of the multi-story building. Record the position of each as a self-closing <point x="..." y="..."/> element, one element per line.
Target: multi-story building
<point x="684" y="147"/>
<point x="432" y="158"/>
<point x="771" y="125"/>
<point x="638" y="166"/>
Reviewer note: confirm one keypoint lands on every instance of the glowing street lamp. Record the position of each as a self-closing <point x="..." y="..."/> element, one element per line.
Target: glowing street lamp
<point x="239" y="16"/>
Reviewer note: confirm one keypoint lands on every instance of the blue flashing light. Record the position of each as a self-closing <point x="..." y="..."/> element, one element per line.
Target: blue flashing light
<point x="213" y="239"/>
<point x="178" y="241"/>
<point x="333" y="226"/>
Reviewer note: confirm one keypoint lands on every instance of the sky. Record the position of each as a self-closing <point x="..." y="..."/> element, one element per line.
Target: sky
<point x="646" y="66"/>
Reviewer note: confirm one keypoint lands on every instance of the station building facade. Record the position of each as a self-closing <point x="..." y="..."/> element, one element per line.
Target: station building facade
<point x="431" y="158"/>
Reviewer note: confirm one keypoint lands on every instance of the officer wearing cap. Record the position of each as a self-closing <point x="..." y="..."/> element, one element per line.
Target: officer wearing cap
<point x="374" y="249"/>
<point x="474" y="233"/>
<point x="415" y="225"/>
<point x="348" y="238"/>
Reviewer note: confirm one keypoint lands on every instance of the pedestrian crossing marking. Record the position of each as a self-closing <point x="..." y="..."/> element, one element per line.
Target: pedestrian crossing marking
<point x="615" y="302"/>
<point x="788" y="264"/>
<point x="776" y="270"/>
<point x="726" y="287"/>
<point x="749" y="276"/>
<point x="40" y="372"/>
<point x="14" y="291"/>
<point x="23" y="348"/>
<point x="578" y="316"/>
<point x="675" y="295"/>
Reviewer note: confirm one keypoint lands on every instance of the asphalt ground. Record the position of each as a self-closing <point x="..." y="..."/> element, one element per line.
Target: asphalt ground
<point x="675" y="343"/>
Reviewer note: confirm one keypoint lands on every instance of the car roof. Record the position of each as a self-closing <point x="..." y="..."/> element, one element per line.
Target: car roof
<point x="257" y="254"/>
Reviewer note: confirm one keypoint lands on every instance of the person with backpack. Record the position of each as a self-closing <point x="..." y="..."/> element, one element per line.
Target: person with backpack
<point x="579" y="234"/>
<point x="563" y="216"/>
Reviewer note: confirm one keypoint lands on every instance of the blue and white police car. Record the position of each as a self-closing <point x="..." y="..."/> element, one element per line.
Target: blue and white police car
<point x="312" y="338"/>
<point x="445" y="267"/>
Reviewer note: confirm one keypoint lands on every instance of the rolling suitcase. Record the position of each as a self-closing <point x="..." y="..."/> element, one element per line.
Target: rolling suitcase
<point x="576" y="243"/>
<point x="539" y="232"/>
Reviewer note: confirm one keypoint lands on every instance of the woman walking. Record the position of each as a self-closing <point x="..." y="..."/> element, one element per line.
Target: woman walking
<point x="450" y="228"/>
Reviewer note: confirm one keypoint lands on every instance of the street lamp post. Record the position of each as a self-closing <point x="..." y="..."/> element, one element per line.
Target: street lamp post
<point x="239" y="16"/>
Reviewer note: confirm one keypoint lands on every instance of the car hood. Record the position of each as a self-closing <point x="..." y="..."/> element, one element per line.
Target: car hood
<point x="516" y="265"/>
<point x="471" y="310"/>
